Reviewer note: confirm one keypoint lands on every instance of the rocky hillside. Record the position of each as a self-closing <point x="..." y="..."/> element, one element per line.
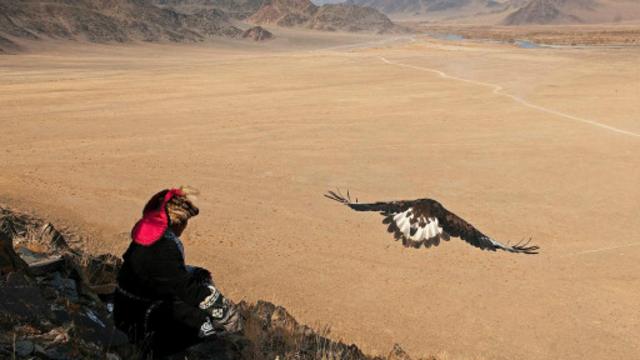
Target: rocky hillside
<point x="239" y="9"/>
<point x="257" y="33"/>
<point x="106" y="21"/>
<point x="547" y="12"/>
<point x="574" y="12"/>
<point x="285" y="13"/>
<point x="350" y="18"/>
<point x="7" y="45"/>
<point x="172" y="20"/>
<point x="331" y="17"/>
<point x="55" y="304"/>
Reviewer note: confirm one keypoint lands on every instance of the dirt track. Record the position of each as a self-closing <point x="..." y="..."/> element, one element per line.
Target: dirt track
<point x="88" y="135"/>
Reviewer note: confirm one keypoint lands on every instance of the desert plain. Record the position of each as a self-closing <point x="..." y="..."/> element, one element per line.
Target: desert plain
<point x="539" y="143"/>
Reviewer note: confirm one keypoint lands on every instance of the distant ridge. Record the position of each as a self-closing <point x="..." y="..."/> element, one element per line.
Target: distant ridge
<point x="547" y="12"/>
<point x="574" y="12"/>
<point x="330" y="17"/>
<point x="509" y="12"/>
<point x="106" y="21"/>
<point x="422" y="7"/>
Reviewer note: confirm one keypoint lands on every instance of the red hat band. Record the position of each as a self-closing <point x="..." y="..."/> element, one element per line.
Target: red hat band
<point x="155" y="219"/>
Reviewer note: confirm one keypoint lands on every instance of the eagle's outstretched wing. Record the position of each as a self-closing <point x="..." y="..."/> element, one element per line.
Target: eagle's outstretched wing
<point x="426" y="222"/>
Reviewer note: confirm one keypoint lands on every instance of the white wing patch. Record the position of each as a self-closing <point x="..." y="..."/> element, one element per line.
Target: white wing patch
<point x="419" y="229"/>
<point x="403" y="222"/>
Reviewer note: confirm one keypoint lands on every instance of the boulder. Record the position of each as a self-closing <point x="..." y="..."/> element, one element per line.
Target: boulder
<point x="257" y="33"/>
<point x="398" y="353"/>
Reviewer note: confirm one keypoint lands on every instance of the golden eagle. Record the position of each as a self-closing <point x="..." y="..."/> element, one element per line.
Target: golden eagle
<point x="426" y="222"/>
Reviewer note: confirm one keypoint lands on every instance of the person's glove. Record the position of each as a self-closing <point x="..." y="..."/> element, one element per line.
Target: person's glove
<point x="223" y="315"/>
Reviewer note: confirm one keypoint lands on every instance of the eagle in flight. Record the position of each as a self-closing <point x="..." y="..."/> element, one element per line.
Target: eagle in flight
<point x="426" y="222"/>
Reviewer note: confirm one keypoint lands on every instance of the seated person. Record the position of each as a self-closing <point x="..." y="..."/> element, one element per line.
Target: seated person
<point x="162" y="304"/>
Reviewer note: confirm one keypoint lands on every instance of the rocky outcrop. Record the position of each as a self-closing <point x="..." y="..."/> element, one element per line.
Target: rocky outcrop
<point x="49" y="311"/>
<point x="55" y="304"/>
<point x="257" y="33"/>
<point x="9" y="260"/>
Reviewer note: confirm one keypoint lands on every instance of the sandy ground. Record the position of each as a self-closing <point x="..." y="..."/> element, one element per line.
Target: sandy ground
<point x="90" y="132"/>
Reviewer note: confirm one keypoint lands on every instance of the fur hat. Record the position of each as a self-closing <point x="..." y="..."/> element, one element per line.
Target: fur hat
<point x="164" y="209"/>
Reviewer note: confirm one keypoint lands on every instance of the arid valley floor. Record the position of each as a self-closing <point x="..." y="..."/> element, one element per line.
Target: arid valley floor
<point x="521" y="142"/>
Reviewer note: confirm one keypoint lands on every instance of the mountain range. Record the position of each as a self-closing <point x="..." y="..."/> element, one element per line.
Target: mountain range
<point x="509" y="12"/>
<point x="173" y="20"/>
<point x="199" y="20"/>
<point x="108" y="21"/>
<point x="574" y="12"/>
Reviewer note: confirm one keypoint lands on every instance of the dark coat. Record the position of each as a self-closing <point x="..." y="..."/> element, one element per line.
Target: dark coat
<point x="157" y="294"/>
